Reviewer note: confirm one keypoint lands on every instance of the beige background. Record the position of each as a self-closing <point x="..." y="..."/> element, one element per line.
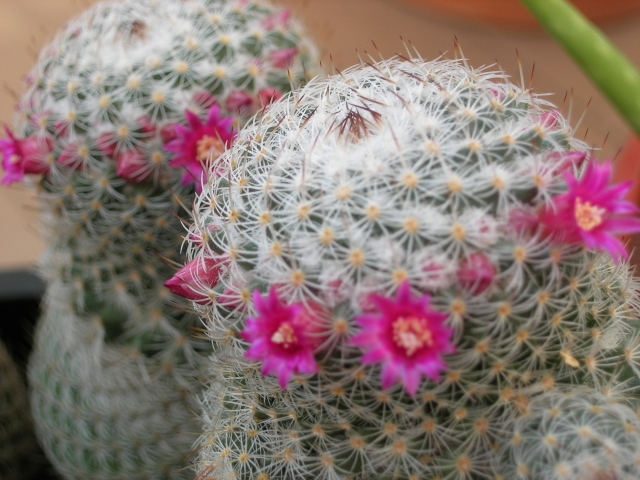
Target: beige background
<point x="341" y="26"/>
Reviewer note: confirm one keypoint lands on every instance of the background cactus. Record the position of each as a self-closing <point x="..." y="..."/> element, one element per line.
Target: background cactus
<point x="119" y="113"/>
<point x="395" y="263"/>
<point x="19" y="450"/>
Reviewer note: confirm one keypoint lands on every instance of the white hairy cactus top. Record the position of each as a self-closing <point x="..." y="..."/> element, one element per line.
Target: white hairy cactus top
<point x="392" y="263"/>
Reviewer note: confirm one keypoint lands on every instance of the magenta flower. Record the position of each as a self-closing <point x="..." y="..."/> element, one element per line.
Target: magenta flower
<point x="407" y="337"/>
<point x="194" y="279"/>
<point x="283" y="337"/>
<point x="20" y="157"/>
<point x="591" y="212"/>
<point x="198" y="143"/>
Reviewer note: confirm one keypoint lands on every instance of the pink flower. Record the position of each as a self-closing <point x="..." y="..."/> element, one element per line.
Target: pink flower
<point x="194" y="279"/>
<point x="283" y="58"/>
<point x="239" y="102"/>
<point x="591" y="212"/>
<point x="407" y="337"/>
<point x="196" y="144"/>
<point x="20" y="157"/>
<point x="283" y="337"/>
<point x="133" y="167"/>
<point x="476" y="273"/>
<point x="268" y="96"/>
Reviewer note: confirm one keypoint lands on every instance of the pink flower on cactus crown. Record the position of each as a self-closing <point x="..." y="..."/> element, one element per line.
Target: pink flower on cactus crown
<point x="407" y="337"/>
<point x="194" y="279"/>
<point x="20" y="157"/>
<point x="198" y="143"/>
<point x="283" y="337"/>
<point x="591" y="212"/>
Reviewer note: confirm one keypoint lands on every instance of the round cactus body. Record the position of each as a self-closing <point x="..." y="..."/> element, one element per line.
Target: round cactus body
<point x="19" y="452"/>
<point x="405" y="258"/>
<point x="120" y="113"/>
<point x="580" y="434"/>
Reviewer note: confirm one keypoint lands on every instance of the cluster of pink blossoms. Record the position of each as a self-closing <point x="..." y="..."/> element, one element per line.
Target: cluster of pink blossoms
<point x="404" y="335"/>
<point x="191" y="145"/>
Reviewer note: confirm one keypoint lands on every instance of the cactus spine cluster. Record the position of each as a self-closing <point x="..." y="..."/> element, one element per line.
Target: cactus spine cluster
<point x="119" y="113"/>
<point x="18" y="446"/>
<point x="400" y="267"/>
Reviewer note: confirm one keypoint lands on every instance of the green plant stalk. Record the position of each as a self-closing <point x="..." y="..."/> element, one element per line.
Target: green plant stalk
<point x="609" y="69"/>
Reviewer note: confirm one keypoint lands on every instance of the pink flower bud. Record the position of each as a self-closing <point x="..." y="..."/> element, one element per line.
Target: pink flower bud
<point x="283" y="58"/>
<point x="132" y="166"/>
<point x="167" y="134"/>
<point x="204" y="100"/>
<point x="567" y="161"/>
<point x="106" y="144"/>
<point x="550" y="119"/>
<point x="239" y="102"/>
<point x="268" y="96"/>
<point x="279" y="19"/>
<point x="61" y="128"/>
<point x="194" y="279"/>
<point x="146" y="126"/>
<point x="71" y="156"/>
<point x="35" y="155"/>
<point x="476" y="273"/>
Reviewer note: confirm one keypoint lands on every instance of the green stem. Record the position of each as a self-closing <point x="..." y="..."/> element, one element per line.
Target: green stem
<point x="611" y="71"/>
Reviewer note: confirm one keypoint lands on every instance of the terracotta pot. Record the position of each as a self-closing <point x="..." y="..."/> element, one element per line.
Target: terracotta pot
<point x="511" y="14"/>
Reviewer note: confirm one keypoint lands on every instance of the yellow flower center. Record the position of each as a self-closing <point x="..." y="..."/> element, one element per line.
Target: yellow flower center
<point x="411" y="334"/>
<point x="588" y="216"/>
<point x="285" y="335"/>
<point x="209" y="148"/>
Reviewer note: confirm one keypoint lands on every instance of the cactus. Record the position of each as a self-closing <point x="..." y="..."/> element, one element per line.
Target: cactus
<point x="120" y="112"/>
<point x="18" y="446"/>
<point x="578" y="434"/>
<point x="394" y="264"/>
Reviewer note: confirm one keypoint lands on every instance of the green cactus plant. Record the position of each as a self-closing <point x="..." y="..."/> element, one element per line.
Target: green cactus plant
<point x="120" y="113"/>
<point x="396" y="263"/>
<point x="19" y="450"/>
